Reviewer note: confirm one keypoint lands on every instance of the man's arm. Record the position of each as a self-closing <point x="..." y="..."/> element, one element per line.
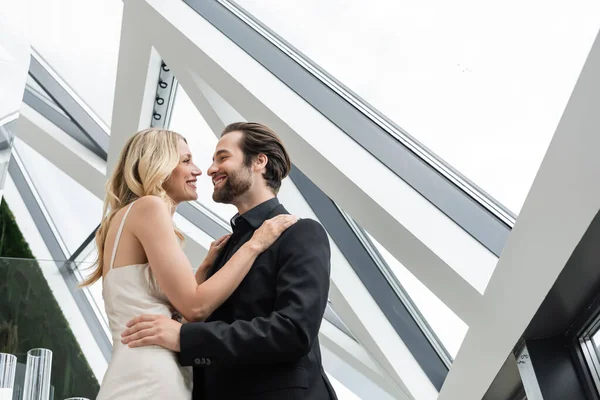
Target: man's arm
<point x="291" y="329"/>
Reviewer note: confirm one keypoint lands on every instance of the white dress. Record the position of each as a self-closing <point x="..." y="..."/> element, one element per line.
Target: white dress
<point x="150" y="372"/>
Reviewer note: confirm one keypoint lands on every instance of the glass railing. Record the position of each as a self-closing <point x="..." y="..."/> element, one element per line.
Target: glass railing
<point x="39" y="309"/>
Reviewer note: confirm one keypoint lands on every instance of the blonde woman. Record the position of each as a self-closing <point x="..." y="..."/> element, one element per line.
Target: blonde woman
<point x="144" y="269"/>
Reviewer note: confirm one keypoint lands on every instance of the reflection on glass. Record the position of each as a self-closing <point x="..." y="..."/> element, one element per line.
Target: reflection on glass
<point x="448" y="327"/>
<point x="486" y="99"/>
<point x="73" y="209"/>
<point x="187" y="120"/>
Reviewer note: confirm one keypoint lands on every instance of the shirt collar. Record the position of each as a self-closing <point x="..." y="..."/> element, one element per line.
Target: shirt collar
<point x="257" y="215"/>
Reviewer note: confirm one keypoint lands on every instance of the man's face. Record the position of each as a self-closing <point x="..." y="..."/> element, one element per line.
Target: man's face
<point x="231" y="177"/>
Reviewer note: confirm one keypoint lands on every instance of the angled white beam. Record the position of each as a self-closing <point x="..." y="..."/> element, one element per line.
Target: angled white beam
<point x="137" y="77"/>
<point x="67" y="154"/>
<point x="564" y="199"/>
<point x="257" y="95"/>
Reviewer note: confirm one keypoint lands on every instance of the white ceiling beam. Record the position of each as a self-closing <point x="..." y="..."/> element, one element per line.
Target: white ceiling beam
<point x="135" y="91"/>
<point x="60" y="149"/>
<point x="563" y="201"/>
<point x="257" y="95"/>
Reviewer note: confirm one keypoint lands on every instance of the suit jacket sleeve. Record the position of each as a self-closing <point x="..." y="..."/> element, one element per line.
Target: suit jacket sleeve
<point x="290" y="331"/>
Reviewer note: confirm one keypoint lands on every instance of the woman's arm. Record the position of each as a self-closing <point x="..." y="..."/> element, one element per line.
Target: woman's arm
<point x="202" y="272"/>
<point x="153" y="227"/>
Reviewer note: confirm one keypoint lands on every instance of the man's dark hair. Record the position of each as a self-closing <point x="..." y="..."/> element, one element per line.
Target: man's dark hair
<point x="260" y="139"/>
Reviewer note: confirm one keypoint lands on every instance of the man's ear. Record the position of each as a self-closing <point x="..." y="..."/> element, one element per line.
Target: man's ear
<point x="261" y="161"/>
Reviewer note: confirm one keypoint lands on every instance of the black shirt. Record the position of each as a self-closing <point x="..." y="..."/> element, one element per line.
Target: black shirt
<point x="243" y="227"/>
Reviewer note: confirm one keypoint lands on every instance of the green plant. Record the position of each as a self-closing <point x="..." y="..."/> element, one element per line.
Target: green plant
<point x="9" y="337"/>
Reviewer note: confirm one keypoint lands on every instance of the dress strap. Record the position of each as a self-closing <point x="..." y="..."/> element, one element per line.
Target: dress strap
<point x="118" y="237"/>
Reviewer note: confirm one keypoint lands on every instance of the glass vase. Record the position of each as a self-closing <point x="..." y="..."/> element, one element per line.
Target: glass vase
<point x="8" y="367"/>
<point x="37" y="375"/>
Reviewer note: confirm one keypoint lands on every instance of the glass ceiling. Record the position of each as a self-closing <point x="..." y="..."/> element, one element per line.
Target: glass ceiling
<point x="477" y="83"/>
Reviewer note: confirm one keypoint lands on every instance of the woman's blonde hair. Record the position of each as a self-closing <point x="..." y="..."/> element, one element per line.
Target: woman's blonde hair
<point x="145" y="163"/>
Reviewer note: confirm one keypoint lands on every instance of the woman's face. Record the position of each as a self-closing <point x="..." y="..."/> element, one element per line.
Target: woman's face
<point x="181" y="185"/>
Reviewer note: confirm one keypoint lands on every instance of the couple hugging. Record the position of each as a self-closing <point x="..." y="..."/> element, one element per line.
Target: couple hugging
<point x="253" y="309"/>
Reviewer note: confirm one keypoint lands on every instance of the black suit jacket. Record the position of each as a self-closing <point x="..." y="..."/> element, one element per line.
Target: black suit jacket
<point x="262" y="343"/>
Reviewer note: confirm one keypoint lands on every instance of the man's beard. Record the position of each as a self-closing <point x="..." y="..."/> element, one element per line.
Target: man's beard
<point x="235" y="185"/>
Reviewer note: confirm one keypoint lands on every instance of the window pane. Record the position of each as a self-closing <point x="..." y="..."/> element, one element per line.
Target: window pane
<point x="187" y="120"/>
<point x="74" y="211"/>
<point x="80" y="41"/>
<point x="447" y="326"/>
<point x="482" y="85"/>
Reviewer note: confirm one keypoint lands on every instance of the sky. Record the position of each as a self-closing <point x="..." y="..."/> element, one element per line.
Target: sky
<point x="481" y="84"/>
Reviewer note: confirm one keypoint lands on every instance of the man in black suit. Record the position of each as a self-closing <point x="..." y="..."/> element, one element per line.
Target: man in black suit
<point x="262" y="343"/>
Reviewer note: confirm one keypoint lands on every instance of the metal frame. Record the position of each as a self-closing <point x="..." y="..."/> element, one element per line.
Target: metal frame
<point x="396" y="286"/>
<point x="479" y="215"/>
<point x="166" y="88"/>
<point x="61" y="96"/>
<point x="344" y="235"/>
<point x="35" y="101"/>
<point x="586" y="356"/>
<point x="527" y="372"/>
